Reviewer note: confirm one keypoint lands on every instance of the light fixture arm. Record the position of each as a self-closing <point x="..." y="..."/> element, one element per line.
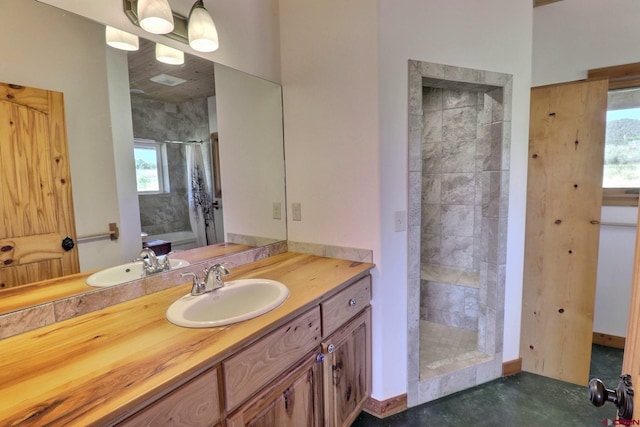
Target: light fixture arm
<point x="180" y="32"/>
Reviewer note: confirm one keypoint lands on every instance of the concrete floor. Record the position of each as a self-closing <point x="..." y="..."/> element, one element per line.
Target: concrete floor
<point x="523" y="399"/>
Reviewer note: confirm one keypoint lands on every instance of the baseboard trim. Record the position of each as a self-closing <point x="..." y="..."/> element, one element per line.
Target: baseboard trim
<point x="512" y="367"/>
<point x="608" y="340"/>
<point x="387" y="407"/>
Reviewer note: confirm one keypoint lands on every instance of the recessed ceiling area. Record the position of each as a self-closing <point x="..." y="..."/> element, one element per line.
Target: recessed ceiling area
<point x="196" y="72"/>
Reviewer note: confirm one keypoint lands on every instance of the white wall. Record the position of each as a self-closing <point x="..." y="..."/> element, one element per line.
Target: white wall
<point x="249" y="112"/>
<point x="569" y="38"/>
<point x="46" y="48"/>
<point x="615" y="270"/>
<point x="247" y="30"/>
<point x="125" y="172"/>
<point x="344" y="74"/>
<point x="573" y="36"/>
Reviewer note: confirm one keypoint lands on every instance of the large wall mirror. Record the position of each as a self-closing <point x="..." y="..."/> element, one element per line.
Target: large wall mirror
<point x="46" y="47"/>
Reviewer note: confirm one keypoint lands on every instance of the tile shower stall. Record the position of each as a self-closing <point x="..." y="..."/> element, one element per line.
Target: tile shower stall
<point x="459" y="138"/>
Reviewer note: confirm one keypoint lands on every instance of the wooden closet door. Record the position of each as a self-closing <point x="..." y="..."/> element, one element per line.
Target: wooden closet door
<point x="564" y="198"/>
<point x="36" y="208"/>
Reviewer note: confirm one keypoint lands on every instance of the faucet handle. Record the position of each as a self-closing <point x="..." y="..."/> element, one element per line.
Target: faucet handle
<point x="220" y="270"/>
<point x="166" y="263"/>
<point x="197" y="287"/>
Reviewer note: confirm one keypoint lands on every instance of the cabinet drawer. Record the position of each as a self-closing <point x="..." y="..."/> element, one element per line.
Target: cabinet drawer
<point x="196" y="403"/>
<point x="346" y="304"/>
<point x="252" y="368"/>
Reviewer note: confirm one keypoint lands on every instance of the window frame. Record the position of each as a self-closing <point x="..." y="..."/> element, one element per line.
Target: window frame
<point x="620" y="77"/>
<point x="161" y="164"/>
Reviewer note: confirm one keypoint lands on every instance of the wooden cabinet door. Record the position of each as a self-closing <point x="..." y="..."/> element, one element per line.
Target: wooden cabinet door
<point x="564" y="198"/>
<point x="36" y="209"/>
<point x="195" y="404"/>
<point x="347" y="371"/>
<point x="293" y="400"/>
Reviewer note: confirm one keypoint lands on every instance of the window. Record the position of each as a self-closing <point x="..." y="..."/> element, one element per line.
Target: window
<point x="150" y="166"/>
<point x="621" y="170"/>
<point x="622" y="142"/>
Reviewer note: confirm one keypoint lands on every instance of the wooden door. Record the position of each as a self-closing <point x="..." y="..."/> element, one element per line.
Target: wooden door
<point x="564" y="198"/>
<point x="291" y="401"/>
<point x="347" y="371"/>
<point x="631" y="360"/>
<point x="36" y="209"/>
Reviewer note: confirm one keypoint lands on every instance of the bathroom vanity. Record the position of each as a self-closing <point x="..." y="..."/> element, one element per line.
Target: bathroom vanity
<point x="305" y="363"/>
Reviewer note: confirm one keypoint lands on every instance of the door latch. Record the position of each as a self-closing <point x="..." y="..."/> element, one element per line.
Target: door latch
<point x="622" y="396"/>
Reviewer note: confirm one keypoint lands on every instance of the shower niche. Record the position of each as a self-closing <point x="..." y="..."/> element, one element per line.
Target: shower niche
<point x="459" y="139"/>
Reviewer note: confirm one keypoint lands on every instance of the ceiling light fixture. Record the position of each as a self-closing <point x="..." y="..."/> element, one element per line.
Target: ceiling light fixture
<point x="155" y="16"/>
<point x="198" y="31"/>
<point x="203" y="35"/>
<point x="121" y="39"/>
<point x="169" y="55"/>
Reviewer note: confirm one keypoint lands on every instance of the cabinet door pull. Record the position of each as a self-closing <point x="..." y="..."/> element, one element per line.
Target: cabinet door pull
<point x="352" y="302"/>
<point x="331" y="348"/>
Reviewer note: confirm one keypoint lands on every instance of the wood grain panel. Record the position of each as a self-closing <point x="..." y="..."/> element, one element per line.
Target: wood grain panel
<point x="28" y="249"/>
<point x="34" y="98"/>
<point x="291" y="401"/>
<point x="194" y="404"/>
<point x="62" y="179"/>
<point x="338" y="309"/>
<point x="347" y="371"/>
<point x="249" y="370"/>
<point x="564" y="195"/>
<point x="620" y="76"/>
<point x="35" y="184"/>
<point x="631" y="358"/>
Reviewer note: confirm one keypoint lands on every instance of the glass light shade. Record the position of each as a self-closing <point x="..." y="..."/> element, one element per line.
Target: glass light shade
<point x="203" y="35"/>
<point x="155" y="16"/>
<point x="121" y="39"/>
<point x="169" y="55"/>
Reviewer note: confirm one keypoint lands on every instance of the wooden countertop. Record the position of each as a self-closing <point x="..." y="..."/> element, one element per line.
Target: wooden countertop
<point x="92" y="368"/>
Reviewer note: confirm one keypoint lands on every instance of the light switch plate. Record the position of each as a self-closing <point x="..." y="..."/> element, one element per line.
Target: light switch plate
<point x="400" y="220"/>
<point x="296" y="211"/>
<point x="277" y="210"/>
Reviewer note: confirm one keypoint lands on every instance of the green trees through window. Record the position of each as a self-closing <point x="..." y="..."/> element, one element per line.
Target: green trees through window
<point x="149" y="167"/>
<point x="622" y="146"/>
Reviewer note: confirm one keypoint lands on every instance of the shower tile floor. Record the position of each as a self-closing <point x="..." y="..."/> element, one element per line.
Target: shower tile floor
<point x="445" y="349"/>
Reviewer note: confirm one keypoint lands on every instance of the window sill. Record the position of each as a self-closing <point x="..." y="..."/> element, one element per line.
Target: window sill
<point x="619" y="197"/>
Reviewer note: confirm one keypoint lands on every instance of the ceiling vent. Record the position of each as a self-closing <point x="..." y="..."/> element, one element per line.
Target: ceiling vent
<point x="167" y="80"/>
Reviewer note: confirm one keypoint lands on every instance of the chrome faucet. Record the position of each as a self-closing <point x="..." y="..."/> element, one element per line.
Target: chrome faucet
<point x="151" y="264"/>
<point x="215" y="282"/>
<point x="212" y="279"/>
<point x="197" y="287"/>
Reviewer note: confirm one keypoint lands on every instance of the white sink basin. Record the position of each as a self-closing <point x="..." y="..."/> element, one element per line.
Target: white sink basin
<point x="238" y="300"/>
<point x="125" y="273"/>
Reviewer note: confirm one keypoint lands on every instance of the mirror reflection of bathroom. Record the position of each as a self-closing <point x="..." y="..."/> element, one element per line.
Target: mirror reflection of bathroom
<point x="459" y="135"/>
<point x="175" y="144"/>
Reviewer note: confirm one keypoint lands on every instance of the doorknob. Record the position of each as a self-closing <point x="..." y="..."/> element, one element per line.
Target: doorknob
<point x="68" y="243"/>
<point x="622" y="396"/>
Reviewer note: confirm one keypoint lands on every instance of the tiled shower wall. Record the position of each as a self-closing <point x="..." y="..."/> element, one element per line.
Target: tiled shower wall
<point x="188" y="121"/>
<point x="458" y="124"/>
<point x="167" y="212"/>
<point x="453" y="128"/>
<point x="492" y="161"/>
